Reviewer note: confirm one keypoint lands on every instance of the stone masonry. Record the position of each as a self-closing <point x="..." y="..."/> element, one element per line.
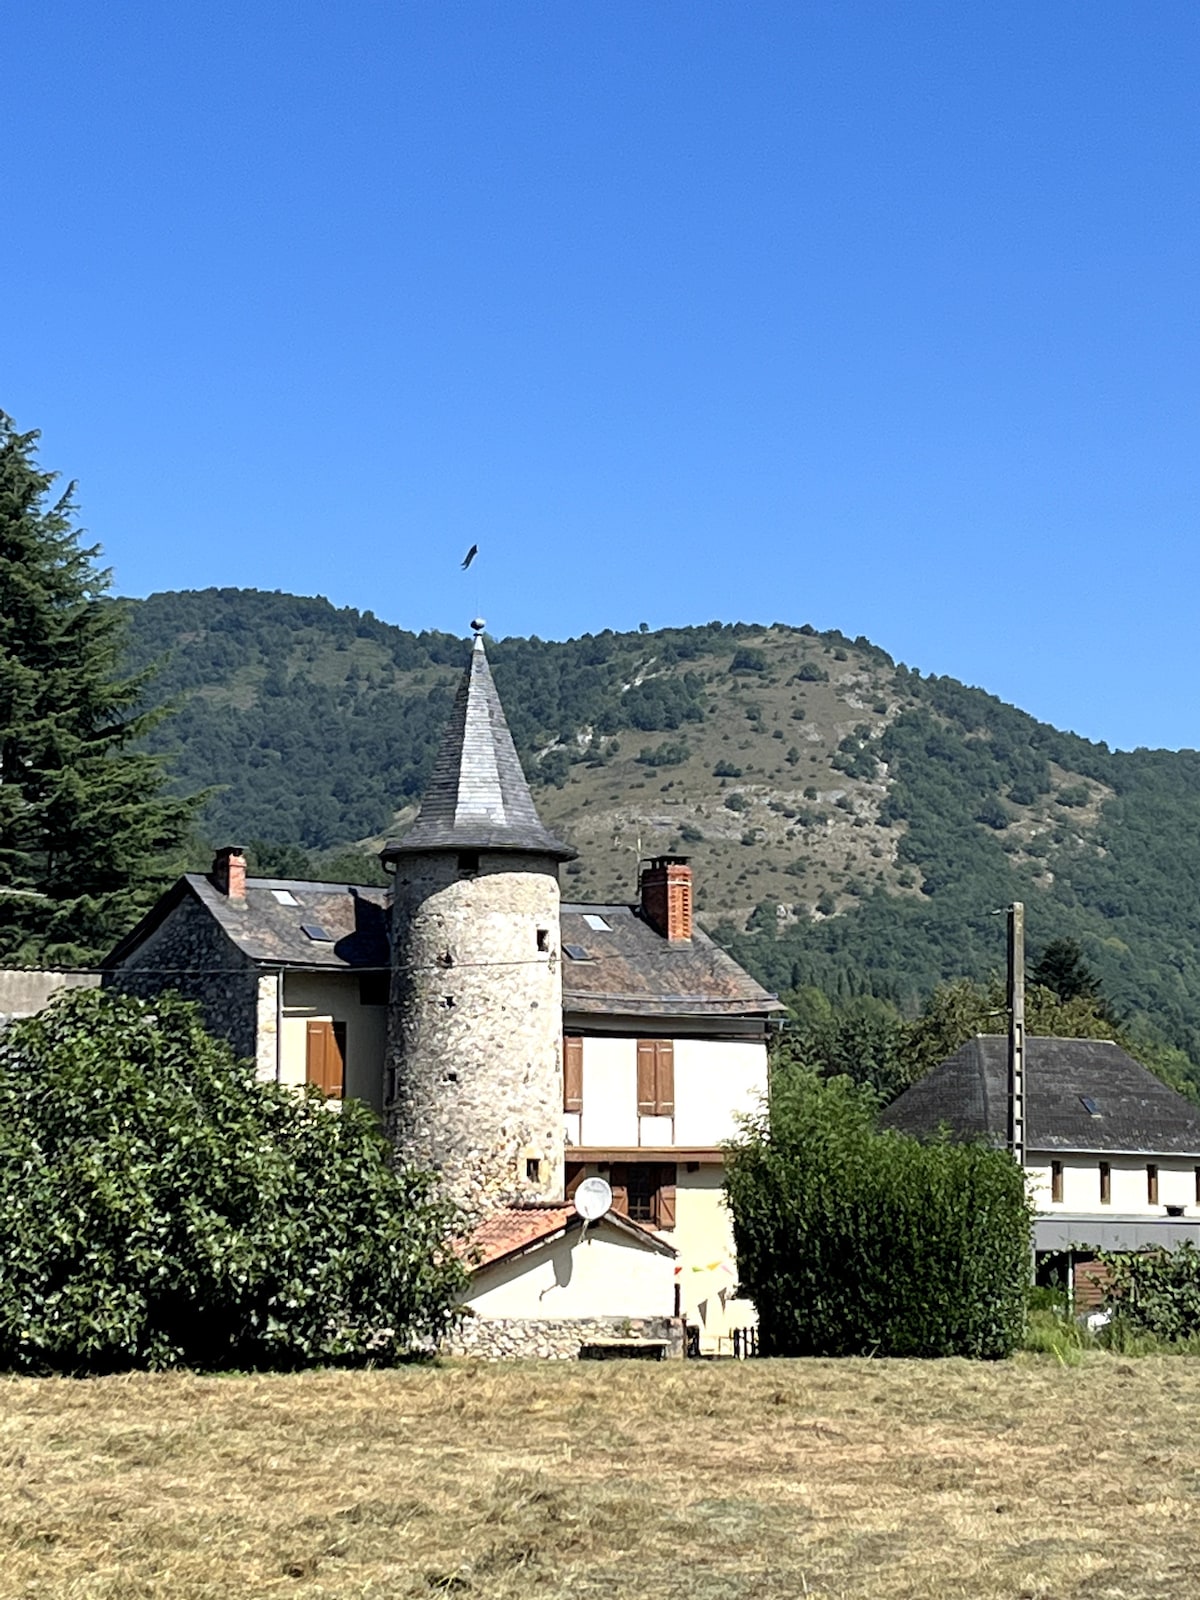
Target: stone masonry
<point x="474" y="1071"/>
<point x="563" y="1339"/>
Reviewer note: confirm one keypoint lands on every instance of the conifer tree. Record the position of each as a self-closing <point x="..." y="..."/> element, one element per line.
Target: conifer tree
<point x="86" y="829"/>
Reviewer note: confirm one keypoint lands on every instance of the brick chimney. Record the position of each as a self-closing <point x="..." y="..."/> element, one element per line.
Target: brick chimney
<point x="666" y="890"/>
<point x="229" y="871"/>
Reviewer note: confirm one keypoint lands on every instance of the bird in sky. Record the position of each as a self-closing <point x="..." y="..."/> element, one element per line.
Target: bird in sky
<point x="470" y="556"/>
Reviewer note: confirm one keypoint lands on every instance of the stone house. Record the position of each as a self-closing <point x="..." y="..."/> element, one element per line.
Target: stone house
<point x="515" y="1043"/>
<point x="1112" y="1154"/>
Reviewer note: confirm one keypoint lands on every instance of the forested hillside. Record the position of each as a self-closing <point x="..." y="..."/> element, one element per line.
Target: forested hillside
<point x="854" y="825"/>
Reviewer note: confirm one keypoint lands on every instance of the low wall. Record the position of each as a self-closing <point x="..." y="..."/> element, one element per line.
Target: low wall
<point x="561" y="1339"/>
<point x="24" y="991"/>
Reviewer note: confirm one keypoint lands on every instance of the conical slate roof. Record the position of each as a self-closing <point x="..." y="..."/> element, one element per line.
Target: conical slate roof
<point x="477" y="797"/>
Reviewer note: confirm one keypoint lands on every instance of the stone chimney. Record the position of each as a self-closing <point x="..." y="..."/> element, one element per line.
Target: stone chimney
<point x="666" y="891"/>
<point x="229" y="871"/>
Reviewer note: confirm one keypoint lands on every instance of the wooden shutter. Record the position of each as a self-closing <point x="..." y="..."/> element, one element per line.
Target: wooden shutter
<point x="325" y="1057"/>
<point x="664" y="1078"/>
<point x="647" y="1074"/>
<point x="572" y="1073"/>
<point x="666" y="1199"/>
<point x="574" y="1176"/>
<point x="619" y="1184"/>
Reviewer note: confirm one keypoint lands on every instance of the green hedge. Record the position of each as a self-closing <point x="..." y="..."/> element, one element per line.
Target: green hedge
<point x="855" y="1242"/>
<point x="161" y="1208"/>
<point x="1157" y="1291"/>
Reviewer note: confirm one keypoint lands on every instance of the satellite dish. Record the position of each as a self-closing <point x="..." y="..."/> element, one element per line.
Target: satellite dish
<point x="592" y="1199"/>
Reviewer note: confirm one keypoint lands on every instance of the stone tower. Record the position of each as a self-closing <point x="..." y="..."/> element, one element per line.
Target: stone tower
<point x="473" y="1079"/>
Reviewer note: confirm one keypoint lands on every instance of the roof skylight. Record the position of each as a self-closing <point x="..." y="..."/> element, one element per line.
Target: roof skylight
<point x="596" y="923"/>
<point x="576" y="952"/>
<point x="285" y="897"/>
<point x="1089" y="1105"/>
<point x="316" y="933"/>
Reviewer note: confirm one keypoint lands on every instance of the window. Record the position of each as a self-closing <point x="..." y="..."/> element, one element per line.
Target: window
<point x="645" y="1192"/>
<point x="572" y="1073"/>
<point x="543" y="940"/>
<point x="596" y="923"/>
<point x="1198" y="1186"/>
<point x="325" y="1059"/>
<point x="468" y="862"/>
<point x="1056" y="1182"/>
<point x="656" y="1077"/>
<point x="1151" y="1184"/>
<point x="1105" y="1184"/>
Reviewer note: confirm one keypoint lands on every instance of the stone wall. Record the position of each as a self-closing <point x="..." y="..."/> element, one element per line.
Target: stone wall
<point x="189" y="953"/>
<point x="562" y="1339"/>
<point x="474" y="1064"/>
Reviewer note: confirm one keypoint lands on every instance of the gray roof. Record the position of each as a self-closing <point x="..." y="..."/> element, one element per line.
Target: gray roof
<point x="266" y="927"/>
<point x="1138" y="1113"/>
<point x="477" y="797"/>
<point x="632" y="970"/>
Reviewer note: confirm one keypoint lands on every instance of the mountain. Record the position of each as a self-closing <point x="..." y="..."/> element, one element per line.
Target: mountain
<point x="853" y="824"/>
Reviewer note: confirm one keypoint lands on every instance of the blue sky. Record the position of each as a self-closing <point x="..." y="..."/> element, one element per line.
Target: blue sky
<point x="877" y="316"/>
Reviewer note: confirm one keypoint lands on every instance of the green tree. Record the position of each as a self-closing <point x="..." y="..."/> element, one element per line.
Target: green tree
<point x="853" y="1242"/>
<point x="87" y="834"/>
<point x="163" y="1208"/>
<point x="1062" y="969"/>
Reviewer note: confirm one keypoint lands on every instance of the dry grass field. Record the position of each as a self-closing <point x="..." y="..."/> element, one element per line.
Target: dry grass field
<point x="888" y="1480"/>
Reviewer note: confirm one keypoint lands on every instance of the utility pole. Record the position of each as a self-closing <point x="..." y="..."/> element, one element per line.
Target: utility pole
<point x="1016" y="1031"/>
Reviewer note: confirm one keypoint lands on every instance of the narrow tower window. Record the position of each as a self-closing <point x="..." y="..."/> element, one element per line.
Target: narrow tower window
<point x="1105" y="1184"/>
<point x="1056" y="1182"/>
<point x="543" y="940"/>
<point x="1151" y="1184"/>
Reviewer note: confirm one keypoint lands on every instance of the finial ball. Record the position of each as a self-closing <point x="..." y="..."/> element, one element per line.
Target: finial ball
<point x="478" y="625"/>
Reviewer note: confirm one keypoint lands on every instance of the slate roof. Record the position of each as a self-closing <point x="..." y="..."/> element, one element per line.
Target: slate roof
<point x="268" y="929"/>
<point x="634" y="971"/>
<point x="514" y="1229"/>
<point x="477" y="797"/>
<point x="1139" y="1114"/>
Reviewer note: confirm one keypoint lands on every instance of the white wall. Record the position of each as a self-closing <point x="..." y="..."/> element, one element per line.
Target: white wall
<point x="600" y="1274"/>
<point x="609" y="1093"/>
<point x="333" y="997"/>
<point x="715" y="1079"/>
<point x="1081" y="1185"/>
<point x="703" y="1236"/>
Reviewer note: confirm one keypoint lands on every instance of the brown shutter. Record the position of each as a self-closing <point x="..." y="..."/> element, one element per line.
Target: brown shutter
<point x="647" y="1061"/>
<point x="619" y="1184"/>
<point x="666" y="1199"/>
<point x="572" y="1073"/>
<point x="325" y="1057"/>
<point x="574" y="1176"/>
<point x="314" y="1058"/>
<point x="665" y="1078"/>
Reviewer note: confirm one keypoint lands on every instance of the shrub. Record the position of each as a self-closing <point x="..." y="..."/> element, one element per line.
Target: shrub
<point x="162" y="1208"/>
<point x="671" y="753"/>
<point x="810" y="672"/>
<point x="726" y="769"/>
<point x="1157" y="1292"/>
<point x="736" y="801"/>
<point x="855" y="1242"/>
<point x="747" y="659"/>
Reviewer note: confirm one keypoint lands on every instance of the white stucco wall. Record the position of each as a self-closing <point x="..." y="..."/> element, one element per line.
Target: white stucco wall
<point x="715" y="1079"/>
<point x="609" y="1093"/>
<point x="600" y="1274"/>
<point x="1081" y="1185"/>
<point x="703" y="1236"/>
<point x="333" y="997"/>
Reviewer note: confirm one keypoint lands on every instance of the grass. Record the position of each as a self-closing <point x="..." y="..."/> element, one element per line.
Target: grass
<point x="1028" y="1480"/>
